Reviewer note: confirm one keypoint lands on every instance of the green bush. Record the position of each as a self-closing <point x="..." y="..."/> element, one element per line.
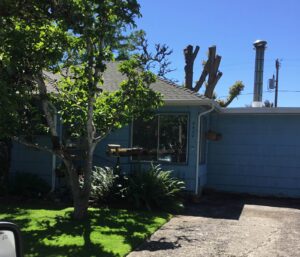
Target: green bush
<point x="29" y="185"/>
<point x="102" y="183"/>
<point x="155" y="189"/>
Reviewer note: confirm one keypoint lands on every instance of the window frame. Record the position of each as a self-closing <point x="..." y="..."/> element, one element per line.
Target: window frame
<point x="158" y="120"/>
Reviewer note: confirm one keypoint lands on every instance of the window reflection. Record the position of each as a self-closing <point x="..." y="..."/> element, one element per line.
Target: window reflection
<point x="172" y="138"/>
<point x="144" y="136"/>
<point x="164" y="138"/>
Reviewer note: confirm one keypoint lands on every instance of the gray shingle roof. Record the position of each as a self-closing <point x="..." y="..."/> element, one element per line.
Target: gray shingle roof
<point x="169" y="90"/>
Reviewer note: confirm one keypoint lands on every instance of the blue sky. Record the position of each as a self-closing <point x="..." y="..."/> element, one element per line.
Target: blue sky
<point x="233" y="26"/>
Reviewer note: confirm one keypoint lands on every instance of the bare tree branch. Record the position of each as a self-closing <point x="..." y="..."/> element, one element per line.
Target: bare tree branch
<point x="99" y="138"/>
<point x="159" y="58"/>
<point x="32" y="145"/>
<point x="48" y="110"/>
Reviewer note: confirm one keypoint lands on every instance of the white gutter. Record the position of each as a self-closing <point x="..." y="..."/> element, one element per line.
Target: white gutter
<point x="189" y="102"/>
<point x="198" y="144"/>
<point x="262" y="110"/>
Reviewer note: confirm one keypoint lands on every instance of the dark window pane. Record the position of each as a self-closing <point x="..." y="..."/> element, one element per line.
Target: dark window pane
<point x="145" y="135"/>
<point x="172" y="138"/>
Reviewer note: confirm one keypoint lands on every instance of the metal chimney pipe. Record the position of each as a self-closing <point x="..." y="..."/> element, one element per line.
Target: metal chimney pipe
<point x="260" y="46"/>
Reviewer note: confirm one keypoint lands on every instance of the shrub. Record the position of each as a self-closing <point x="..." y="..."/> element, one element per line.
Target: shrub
<point x="29" y="185"/>
<point x="102" y="183"/>
<point x="155" y="189"/>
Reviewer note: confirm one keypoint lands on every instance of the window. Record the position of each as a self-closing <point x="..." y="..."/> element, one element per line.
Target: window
<point x="164" y="138"/>
<point x="144" y="136"/>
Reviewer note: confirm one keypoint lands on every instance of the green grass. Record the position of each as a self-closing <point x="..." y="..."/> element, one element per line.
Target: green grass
<point x="50" y="232"/>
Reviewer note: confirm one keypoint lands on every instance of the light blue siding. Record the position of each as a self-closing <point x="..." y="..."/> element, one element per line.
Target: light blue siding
<point x="186" y="171"/>
<point x="120" y="137"/>
<point x="25" y="159"/>
<point x="258" y="154"/>
<point x="202" y="175"/>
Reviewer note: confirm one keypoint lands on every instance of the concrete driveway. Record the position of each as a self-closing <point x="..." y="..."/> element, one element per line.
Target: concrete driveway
<point x="229" y="226"/>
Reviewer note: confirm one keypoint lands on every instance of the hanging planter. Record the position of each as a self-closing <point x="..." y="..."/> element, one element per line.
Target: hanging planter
<point x="213" y="136"/>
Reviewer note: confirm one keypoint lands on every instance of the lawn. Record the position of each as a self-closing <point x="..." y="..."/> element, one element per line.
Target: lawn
<point x="51" y="232"/>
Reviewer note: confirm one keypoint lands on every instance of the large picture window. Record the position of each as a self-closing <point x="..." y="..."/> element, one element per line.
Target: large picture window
<point x="164" y="138"/>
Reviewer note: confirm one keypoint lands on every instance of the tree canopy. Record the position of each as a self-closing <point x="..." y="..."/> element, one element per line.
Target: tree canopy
<point x="74" y="39"/>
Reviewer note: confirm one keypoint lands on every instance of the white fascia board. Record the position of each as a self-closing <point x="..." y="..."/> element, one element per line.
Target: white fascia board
<point x="262" y="110"/>
<point x="191" y="102"/>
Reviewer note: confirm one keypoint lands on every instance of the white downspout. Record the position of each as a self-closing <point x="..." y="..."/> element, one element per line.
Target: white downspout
<point x="53" y="175"/>
<point x="198" y="145"/>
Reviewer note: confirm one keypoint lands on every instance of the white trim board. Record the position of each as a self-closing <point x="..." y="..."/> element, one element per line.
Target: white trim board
<point x="260" y="110"/>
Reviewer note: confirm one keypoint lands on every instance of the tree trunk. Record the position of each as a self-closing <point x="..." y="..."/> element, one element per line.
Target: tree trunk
<point x="80" y="196"/>
<point x="210" y="69"/>
<point x="81" y="193"/>
<point x="5" y="158"/>
<point x="190" y="56"/>
<point x="81" y="204"/>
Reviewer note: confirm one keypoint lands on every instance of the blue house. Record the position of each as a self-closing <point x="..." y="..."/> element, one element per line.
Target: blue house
<point x="247" y="150"/>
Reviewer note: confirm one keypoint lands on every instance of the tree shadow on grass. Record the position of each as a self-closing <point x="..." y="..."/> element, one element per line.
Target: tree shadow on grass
<point x="67" y="237"/>
<point x="134" y="227"/>
<point x="61" y="235"/>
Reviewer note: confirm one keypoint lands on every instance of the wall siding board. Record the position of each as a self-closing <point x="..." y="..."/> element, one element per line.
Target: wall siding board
<point x="260" y="191"/>
<point x="25" y="159"/>
<point x="257" y="154"/>
<point x="182" y="171"/>
<point x="255" y="170"/>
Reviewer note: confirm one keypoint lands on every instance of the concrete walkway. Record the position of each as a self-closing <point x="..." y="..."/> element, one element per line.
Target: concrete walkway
<point x="229" y="226"/>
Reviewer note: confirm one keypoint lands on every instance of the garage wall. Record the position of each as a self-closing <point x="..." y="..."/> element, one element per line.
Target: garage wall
<point x="258" y="154"/>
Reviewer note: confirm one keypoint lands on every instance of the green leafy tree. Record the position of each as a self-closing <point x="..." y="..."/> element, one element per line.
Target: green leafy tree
<point x="74" y="39"/>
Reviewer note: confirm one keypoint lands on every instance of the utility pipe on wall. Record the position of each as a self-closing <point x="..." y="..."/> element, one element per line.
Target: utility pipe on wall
<point x="53" y="175"/>
<point x="198" y="145"/>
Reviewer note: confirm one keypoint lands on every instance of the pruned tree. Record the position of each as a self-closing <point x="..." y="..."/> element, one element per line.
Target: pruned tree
<point x="210" y="74"/>
<point x="74" y="40"/>
<point x="234" y="91"/>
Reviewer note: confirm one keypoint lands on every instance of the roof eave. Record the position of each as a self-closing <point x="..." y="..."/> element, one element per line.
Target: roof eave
<point x="262" y="110"/>
<point x="190" y="102"/>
